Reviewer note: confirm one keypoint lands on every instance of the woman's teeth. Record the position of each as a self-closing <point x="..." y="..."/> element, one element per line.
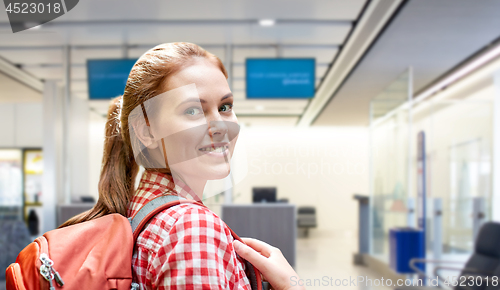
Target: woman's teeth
<point x="218" y="149"/>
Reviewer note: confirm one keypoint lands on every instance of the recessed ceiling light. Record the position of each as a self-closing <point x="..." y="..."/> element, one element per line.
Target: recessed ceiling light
<point x="267" y="22"/>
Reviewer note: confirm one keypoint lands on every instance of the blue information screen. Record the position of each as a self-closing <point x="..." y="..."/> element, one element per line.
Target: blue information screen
<point x="107" y="77"/>
<point x="277" y="78"/>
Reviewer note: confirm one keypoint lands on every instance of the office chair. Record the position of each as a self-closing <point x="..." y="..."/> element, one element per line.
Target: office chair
<point x="484" y="263"/>
<point x="306" y="218"/>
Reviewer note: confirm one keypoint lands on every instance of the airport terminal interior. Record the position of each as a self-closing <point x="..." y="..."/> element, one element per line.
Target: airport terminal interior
<point x="368" y="129"/>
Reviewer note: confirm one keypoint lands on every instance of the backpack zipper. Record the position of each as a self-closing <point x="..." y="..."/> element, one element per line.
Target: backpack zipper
<point x="48" y="272"/>
<point x="46" y="268"/>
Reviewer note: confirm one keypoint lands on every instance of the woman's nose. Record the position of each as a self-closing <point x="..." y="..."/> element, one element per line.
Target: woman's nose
<point x="216" y="125"/>
<point x="217" y="128"/>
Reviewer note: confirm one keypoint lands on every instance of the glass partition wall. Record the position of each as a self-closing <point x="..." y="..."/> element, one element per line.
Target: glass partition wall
<point x="459" y="166"/>
<point x="458" y="130"/>
<point x="390" y="124"/>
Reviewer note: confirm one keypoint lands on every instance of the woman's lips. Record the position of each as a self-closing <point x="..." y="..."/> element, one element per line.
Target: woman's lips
<point x="216" y="150"/>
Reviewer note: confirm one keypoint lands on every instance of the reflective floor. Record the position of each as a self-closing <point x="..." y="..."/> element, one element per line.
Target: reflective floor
<point x="324" y="260"/>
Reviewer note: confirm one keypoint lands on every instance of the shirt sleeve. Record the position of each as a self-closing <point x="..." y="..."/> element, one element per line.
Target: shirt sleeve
<point x="198" y="254"/>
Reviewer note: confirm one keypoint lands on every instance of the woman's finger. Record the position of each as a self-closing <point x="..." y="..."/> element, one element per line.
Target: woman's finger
<point x="249" y="254"/>
<point x="260" y="246"/>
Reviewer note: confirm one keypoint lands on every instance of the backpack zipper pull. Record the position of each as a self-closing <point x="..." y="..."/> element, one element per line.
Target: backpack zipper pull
<point x="48" y="272"/>
<point x="45" y="271"/>
<point x="51" y="286"/>
<point x="59" y="280"/>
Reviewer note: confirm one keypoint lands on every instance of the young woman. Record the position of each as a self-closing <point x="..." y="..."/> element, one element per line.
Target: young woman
<point x="176" y="119"/>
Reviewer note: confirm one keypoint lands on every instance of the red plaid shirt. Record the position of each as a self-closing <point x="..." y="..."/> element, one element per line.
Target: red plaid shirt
<point x="183" y="247"/>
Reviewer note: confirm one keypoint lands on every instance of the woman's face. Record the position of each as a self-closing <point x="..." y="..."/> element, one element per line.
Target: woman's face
<point x="194" y="122"/>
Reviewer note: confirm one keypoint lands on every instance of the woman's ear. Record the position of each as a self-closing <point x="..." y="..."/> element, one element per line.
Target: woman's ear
<point x="144" y="134"/>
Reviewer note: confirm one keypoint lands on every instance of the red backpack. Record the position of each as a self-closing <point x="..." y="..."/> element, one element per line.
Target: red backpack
<point x="92" y="254"/>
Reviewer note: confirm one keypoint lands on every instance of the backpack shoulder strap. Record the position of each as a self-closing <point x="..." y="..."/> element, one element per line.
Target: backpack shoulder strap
<point x="153" y="207"/>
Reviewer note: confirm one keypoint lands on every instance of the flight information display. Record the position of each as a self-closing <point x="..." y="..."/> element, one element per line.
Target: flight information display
<point x="107" y="77"/>
<point x="280" y="78"/>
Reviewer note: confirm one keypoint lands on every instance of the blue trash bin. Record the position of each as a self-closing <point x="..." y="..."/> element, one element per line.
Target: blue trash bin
<point x="404" y="245"/>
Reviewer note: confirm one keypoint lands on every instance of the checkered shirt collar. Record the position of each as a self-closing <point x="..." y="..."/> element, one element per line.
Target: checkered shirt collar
<point x="167" y="184"/>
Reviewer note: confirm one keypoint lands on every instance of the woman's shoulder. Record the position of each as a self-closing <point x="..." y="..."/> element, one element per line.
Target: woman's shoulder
<point x="180" y="219"/>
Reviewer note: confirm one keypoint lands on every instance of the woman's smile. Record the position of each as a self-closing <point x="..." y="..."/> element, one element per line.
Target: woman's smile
<point x="216" y="149"/>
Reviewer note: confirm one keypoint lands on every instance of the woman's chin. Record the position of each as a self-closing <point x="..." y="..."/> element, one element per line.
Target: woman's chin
<point x="207" y="169"/>
<point x="215" y="172"/>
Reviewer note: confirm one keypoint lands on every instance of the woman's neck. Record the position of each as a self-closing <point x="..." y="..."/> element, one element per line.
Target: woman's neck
<point x="197" y="185"/>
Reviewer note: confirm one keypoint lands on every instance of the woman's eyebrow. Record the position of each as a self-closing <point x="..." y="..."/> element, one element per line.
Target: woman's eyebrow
<point x="198" y="100"/>
<point x="228" y="95"/>
<point x="193" y="99"/>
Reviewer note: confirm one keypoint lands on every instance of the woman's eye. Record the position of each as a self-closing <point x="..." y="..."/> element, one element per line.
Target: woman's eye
<point x="226" y="107"/>
<point x="193" y="111"/>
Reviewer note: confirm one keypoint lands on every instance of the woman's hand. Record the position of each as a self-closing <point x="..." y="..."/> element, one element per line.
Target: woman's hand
<point x="269" y="261"/>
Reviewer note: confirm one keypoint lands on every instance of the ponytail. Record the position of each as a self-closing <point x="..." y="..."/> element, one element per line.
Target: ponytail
<point x="118" y="172"/>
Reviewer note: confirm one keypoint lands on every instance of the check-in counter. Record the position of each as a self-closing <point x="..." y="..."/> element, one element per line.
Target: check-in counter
<point x="273" y="223"/>
<point x="67" y="211"/>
